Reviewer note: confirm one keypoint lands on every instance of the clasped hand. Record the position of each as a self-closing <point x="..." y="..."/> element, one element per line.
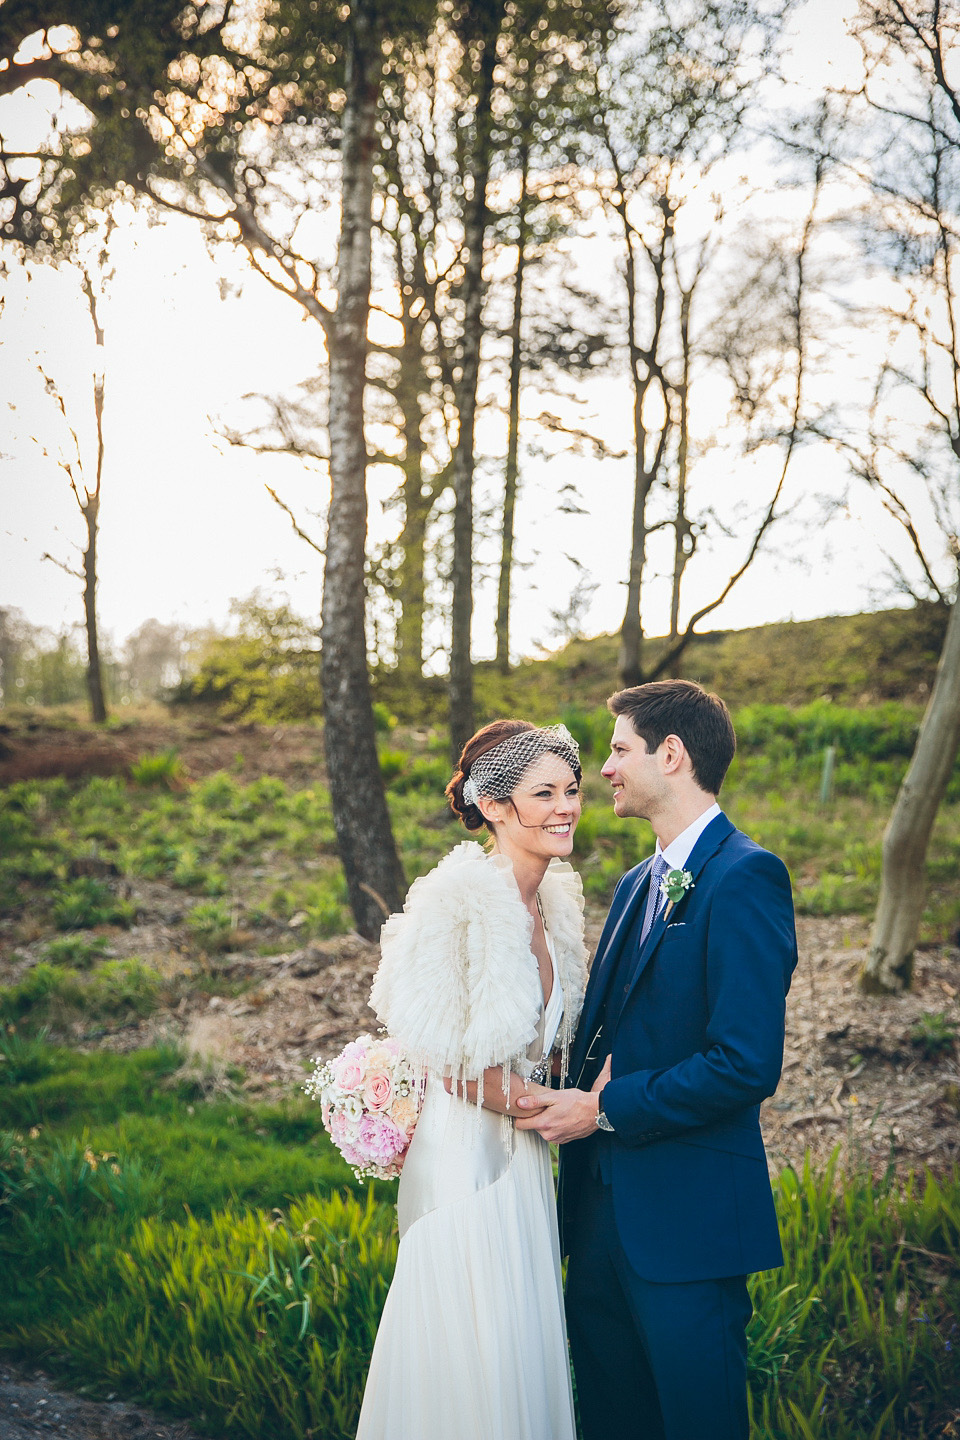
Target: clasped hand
<point x="562" y="1115"/>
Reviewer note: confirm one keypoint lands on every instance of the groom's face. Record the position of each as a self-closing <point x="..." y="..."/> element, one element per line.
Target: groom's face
<point x="634" y="773"/>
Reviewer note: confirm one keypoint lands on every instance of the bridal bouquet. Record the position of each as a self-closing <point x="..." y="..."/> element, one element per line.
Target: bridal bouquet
<point x="370" y="1101"/>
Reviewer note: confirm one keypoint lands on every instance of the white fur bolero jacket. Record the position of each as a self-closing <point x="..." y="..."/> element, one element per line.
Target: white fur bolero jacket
<point x="458" y="984"/>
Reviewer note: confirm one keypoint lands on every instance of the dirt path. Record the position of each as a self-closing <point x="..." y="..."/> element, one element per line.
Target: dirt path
<point x="31" y="1408"/>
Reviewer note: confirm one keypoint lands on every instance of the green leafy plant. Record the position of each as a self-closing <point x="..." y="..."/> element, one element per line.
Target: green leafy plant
<point x="392" y="763"/>
<point x="77" y="951"/>
<point x="934" y="1033"/>
<point x="85" y="902"/>
<point x="164" y="769"/>
<point x="210" y="926"/>
<point x="124" y="986"/>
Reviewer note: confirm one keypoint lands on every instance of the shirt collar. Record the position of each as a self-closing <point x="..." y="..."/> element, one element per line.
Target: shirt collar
<point x="678" y="851"/>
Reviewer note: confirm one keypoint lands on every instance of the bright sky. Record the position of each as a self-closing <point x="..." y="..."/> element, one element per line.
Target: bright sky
<point x="186" y="522"/>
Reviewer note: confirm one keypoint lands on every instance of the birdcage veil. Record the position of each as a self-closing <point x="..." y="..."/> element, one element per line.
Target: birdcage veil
<point x="498" y="771"/>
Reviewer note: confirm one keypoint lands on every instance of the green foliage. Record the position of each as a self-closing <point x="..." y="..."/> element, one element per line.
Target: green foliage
<point x="209" y="925"/>
<point x="82" y="903"/>
<point x="268" y="671"/>
<point x="164" y="769"/>
<point x="47" y="992"/>
<point x="23" y="1057"/>
<point x="392" y="763"/>
<point x="934" y="1033"/>
<point x="383" y="720"/>
<point x="857" y="1335"/>
<point x="77" y="951"/>
<point x="130" y="1251"/>
<point x="425" y="774"/>
<point x="43" y="991"/>
<point x="128" y="987"/>
<point x="853" y="660"/>
<point x="274" y="845"/>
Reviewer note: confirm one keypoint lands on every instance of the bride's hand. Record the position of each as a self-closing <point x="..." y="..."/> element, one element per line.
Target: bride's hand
<point x="602" y="1078"/>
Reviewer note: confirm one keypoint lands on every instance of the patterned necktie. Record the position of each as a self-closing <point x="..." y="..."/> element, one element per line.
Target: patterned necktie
<point x="655" y="896"/>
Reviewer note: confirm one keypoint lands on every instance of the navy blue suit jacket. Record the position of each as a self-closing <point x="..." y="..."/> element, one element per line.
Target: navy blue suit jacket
<point x="697" y="1046"/>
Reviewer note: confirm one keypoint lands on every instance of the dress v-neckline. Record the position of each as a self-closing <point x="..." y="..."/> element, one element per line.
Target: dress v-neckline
<point x="552" y="1008"/>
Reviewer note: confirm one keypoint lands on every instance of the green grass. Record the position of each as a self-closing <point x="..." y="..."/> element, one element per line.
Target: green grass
<point x="266" y="850"/>
<point x="217" y="1261"/>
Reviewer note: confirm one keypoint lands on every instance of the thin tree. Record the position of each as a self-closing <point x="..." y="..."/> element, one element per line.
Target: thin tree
<point x="663" y="113"/>
<point x="911" y="162"/>
<point x="374" y="875"/>
<point x="70" y="459"/>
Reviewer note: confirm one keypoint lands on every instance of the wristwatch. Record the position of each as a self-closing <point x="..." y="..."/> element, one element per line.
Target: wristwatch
<point x="602" y="1122"/>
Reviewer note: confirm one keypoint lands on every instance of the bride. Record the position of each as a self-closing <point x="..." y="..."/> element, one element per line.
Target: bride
<point x="481" y="980"/>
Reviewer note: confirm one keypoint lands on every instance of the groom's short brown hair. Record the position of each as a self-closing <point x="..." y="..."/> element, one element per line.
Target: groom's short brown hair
<point x="681" y="707"/>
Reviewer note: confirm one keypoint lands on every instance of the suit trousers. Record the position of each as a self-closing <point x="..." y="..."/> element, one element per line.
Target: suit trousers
<point x="651" y="1361"/>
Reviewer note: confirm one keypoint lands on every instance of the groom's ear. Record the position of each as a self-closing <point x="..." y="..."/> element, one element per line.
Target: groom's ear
<point x="673" y="753"/>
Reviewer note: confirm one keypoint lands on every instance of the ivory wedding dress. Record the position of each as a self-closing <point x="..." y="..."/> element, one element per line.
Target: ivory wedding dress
<point x="472" y="1342"/>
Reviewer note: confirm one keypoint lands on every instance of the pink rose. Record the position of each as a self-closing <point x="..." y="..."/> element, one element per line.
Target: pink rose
<point x="378" y="1091"/>
<point x="348" y="1074"/>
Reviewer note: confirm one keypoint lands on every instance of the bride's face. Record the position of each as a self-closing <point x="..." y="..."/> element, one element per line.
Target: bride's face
<point x="541" y="815"/>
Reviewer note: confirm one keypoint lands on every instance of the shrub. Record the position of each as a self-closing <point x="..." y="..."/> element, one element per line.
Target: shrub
<point x="85" y="902"/>
<point x="165" y="768"/>
<point x="392" y="763"/>
<point x="77" y="951"/>
<point x="423" y="774"/>
<point x="326" y="917"/>
<point x="934" y="1033"/>
<point x="124" y="986"/>
<point x="383" y="720"/>
<point x="23" y="1058"/>
<point x="210" y="926"/>
<point x="44" y="990"/>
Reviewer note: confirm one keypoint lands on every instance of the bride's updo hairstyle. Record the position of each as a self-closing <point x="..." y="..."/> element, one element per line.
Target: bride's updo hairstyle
<point x="493" y="761"/>
<point x="486" y="739"/>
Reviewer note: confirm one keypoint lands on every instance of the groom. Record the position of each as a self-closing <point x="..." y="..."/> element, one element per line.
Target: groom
<point x="665" y="1203"/>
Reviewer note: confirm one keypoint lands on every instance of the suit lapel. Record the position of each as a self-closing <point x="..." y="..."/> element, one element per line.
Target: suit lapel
<point x="706" y="847"/>
<point x="611" y="941"/>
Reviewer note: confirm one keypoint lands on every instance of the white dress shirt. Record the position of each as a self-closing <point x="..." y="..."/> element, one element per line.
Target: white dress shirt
<point x="679" y="850"/>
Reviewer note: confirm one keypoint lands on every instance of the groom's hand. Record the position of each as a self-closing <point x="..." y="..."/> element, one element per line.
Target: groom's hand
<point x="563" y="1114"/>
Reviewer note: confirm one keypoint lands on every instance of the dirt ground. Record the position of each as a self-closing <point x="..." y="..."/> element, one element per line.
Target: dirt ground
<point x="854" y="1075"/>
<point x="30" y="1408"/>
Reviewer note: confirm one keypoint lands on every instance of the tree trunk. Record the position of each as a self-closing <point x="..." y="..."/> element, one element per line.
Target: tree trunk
<point x="98" y="709"/>
<point x="462" y="722"/>
<point x="889" y="966"/>
<point x="411" y="586"/>
<point x="375" y="880"/>
<point x="682" y="529"/>
<point x="630" y="656"/>
<point x="511" y="469"/>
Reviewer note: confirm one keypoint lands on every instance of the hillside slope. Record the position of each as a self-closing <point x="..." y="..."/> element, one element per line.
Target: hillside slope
<point x="856" y="659"/>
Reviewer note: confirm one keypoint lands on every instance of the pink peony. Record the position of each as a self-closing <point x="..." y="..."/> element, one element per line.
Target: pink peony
<point x="381" y="1140"/>
<point x="378" y="1091"/>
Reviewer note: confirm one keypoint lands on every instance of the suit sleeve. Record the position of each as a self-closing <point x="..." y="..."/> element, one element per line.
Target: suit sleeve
<point x="751" y="953"/>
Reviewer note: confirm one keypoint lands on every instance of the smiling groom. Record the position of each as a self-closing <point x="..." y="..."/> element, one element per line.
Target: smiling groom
<point x="665" y="1201"/>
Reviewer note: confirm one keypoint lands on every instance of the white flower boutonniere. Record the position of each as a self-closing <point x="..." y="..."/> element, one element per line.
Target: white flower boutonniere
<point x="674" y="886"/>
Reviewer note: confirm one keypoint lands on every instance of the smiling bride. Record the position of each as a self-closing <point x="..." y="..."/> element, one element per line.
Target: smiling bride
<point x="481" y="981"/>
